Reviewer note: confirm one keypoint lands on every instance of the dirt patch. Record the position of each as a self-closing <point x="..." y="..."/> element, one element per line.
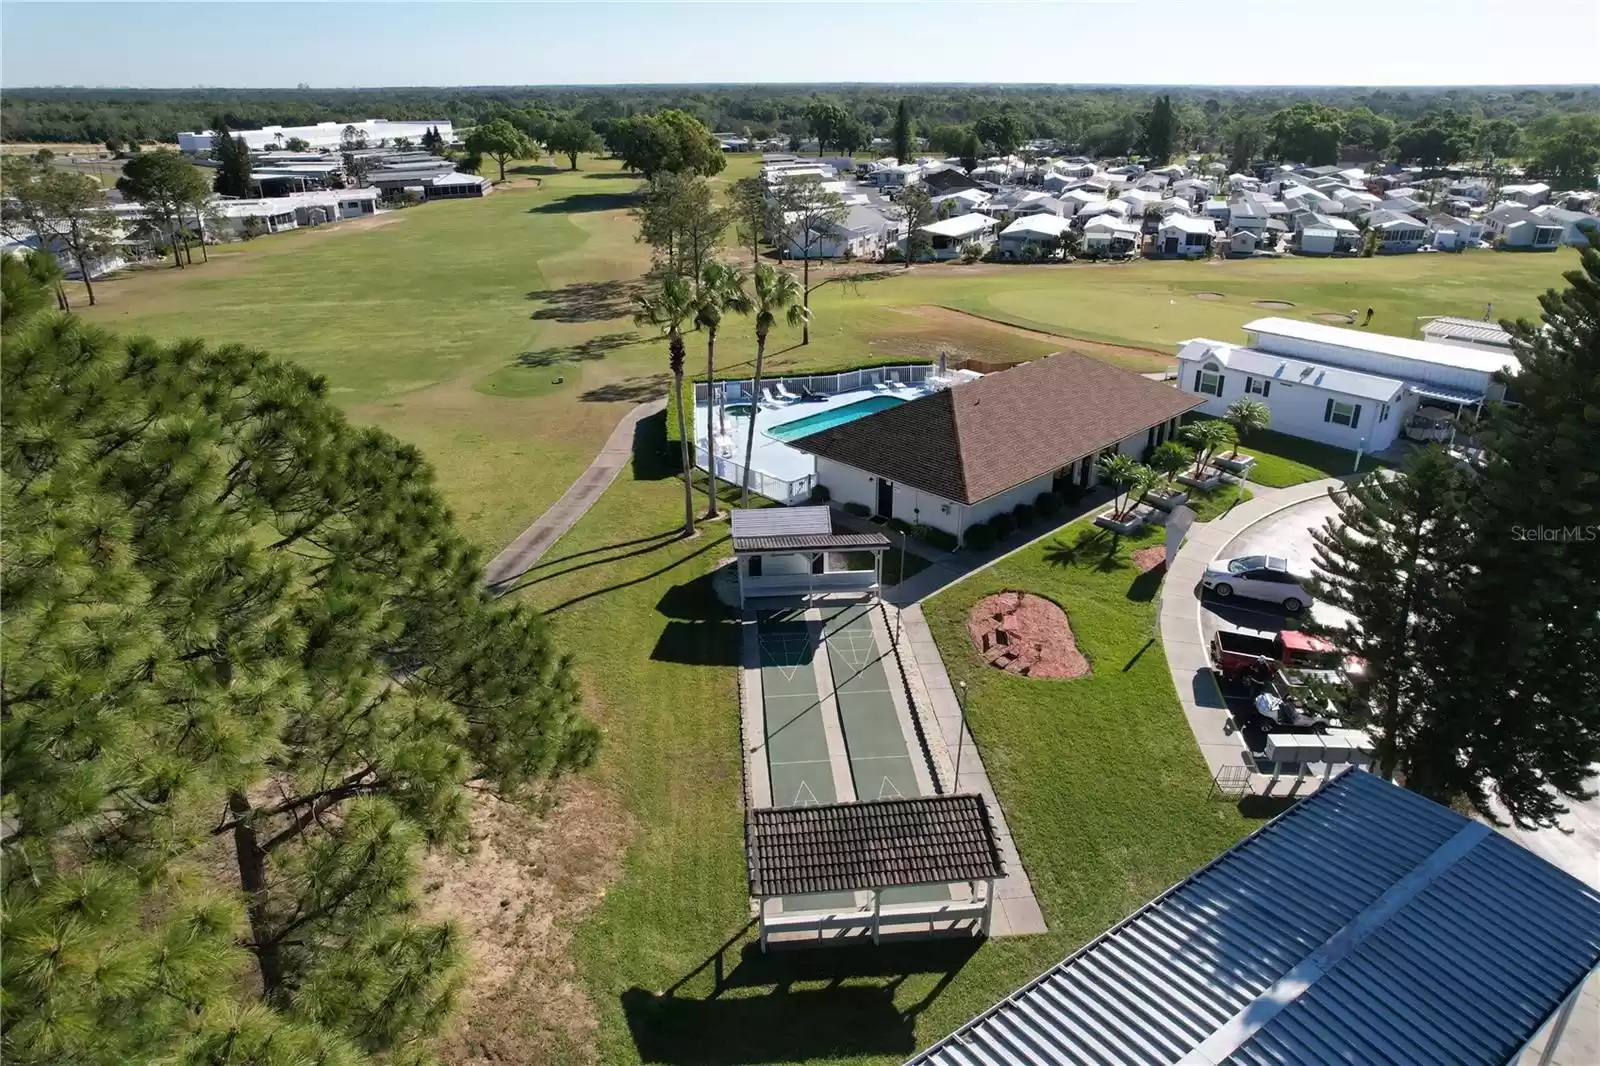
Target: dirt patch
<point x="1207" y="296"/>
<point x="1025" y="634"/>
<point x="1147" y="559"/>
<point x="1126" y="356"/>
<point x="1272" y="305"/>
<point x="1334" y="316"/>
<point x="527" y="881"/>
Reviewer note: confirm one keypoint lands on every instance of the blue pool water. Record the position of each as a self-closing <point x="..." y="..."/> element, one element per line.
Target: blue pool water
<point x="804" y="427"/>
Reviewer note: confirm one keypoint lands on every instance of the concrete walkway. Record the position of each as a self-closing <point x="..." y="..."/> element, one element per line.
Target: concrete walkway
<point x="534" y="541"/>
<point x="1184" y="641"/>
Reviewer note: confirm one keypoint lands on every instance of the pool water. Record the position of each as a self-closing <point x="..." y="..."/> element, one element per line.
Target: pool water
<point x="804" y="427"/>
<point x="740" y="410"/>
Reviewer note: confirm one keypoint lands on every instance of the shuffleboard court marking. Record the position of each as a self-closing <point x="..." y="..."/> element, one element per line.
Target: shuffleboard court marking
<point x="800" y="773"/>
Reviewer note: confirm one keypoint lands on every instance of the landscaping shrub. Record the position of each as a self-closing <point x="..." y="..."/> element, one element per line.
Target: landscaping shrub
<point x="1003" y="525"/>
<point x="900" y="525"/>
<point x="1071" y="493"/>
<point x="860" y="510"/>
<point x="820" y="494"/>
<point x="938" y="538"/>
<point x="980" y="537"/>
<point x="1049" y="504"/>
<point x="1024" y="514"/>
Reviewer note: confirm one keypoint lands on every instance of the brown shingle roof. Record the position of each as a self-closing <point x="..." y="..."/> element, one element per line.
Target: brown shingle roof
<point x="840" y="847"/>
<point x="971" y="441"/>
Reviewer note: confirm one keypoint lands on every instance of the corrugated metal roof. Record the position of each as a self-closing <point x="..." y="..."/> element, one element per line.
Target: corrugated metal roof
<point x="1449" y="328"/>
<point x="1366" y="924"/>
<point x="1362" y="340"/>
<point x="781" y="521"/>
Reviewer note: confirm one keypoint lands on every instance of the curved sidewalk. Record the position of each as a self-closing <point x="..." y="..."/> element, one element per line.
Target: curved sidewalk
<point x="534" y="541"/>
<point x="1181" y="634"/>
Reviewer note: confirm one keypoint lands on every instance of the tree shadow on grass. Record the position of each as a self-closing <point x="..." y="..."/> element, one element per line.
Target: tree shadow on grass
<point x="1093" y="547"/>
<point x="535" y="169"/>
<point x="712" y="544"/>
<point x="580" y="352"/>
<point x="853" y="1014"/>
<point x="701" y="631"/>
<point x="613" y="175"/>
<point x="586" y="301"/>
<point x="530" y="577"/>
<point x="633" y="390"/>
<point x="585" y="202"/>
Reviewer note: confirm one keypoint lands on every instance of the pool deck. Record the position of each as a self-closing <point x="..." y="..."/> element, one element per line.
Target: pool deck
<point x="773" y="456"/>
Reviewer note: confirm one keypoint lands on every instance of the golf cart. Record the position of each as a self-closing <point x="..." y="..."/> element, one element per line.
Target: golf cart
<point x="1429" y="425"/>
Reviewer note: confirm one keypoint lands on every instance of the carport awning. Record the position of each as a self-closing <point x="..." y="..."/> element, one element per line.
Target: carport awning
<point x="1439" y="392"/>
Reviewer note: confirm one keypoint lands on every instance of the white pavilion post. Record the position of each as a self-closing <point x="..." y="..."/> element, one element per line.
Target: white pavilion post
<point x="988" y="907"/>
<point x="761" y="921"/>
<point x="877" y="914"/>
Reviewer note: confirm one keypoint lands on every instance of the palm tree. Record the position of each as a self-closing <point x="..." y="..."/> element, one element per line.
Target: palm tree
<point x="1246" y="416"/>
<point x="667" y="308"/>
<point x="1205" y="437"/>
<point x="776" y="293"/>
<point x="1126" y="474"/>
<point x="721" y="291"/>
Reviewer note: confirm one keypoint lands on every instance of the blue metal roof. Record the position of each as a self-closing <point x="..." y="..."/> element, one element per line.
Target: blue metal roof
<point x="1365" y="925"/>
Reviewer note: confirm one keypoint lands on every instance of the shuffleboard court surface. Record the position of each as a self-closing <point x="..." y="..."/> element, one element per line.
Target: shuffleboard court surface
<point x="797" y="748"/>
<point x="880" y="756"/>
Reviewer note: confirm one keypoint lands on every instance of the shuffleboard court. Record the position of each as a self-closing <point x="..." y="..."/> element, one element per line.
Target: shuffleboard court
<point x="880" y="753"/>
<point x="797" y="748"/>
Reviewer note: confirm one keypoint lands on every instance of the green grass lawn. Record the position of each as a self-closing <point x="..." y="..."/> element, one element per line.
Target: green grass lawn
<point x="1282" y="460"/>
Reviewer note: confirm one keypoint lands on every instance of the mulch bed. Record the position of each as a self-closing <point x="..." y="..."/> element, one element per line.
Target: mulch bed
<point x="1147" y="559"/>
<point x="1027" y="635"/>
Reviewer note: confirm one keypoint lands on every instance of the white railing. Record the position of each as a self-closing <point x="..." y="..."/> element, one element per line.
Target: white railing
<point x="738" y="389"/>
<point x="773" y="488"/>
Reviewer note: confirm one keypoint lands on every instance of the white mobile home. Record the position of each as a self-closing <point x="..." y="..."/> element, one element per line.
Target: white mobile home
<point x="1033" y="235"/>
<point x="1180" y="236"/>
<point x="951" y="235"/>
<point x="1345" y="408"/>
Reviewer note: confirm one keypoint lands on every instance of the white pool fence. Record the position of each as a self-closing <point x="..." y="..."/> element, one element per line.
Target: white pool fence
<point x="738" y="389"/>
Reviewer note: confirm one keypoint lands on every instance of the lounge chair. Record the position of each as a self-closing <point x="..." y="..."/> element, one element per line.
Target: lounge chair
<point x="807" y="396"/>
<point x="770" y="398"/>
<point x="784" y="393"/>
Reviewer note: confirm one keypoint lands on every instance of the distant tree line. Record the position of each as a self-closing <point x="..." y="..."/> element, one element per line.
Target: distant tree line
<point x="1441" y="123"/>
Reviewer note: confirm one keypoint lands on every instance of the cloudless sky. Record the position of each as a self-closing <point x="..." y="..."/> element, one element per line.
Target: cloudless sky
<point x="1204" y="42"/>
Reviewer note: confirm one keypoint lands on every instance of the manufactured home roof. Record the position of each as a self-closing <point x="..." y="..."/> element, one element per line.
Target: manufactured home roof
<point x="1361" y="340"/>
<point x="960" y="226"/>
<point x="1046" y="224"/>
<point x="971" y="441"/>
<point x="1469" y="330"/>
<point x="1365" y="925"/>
<point x="1296" y="372"/>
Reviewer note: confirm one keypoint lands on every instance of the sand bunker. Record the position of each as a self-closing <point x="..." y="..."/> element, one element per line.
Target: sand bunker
<point x="1025" y="634"/>
<point x="1334" y="316"/>
<point x="1207" y="295"/>
<point x="1273" y="305"/>
<point x="1147" y="559"/>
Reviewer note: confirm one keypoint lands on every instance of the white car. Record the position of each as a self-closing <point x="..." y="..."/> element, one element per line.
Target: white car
<point x="1259" y="577"/>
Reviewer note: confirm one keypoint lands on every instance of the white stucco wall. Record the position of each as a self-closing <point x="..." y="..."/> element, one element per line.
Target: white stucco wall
<point x="1298" y="410"/>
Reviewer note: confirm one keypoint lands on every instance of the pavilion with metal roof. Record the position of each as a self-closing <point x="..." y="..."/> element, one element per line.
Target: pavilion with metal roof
<point x="791" y="551"/>
<point x="873" y="846"/>
<point x="1364" y="925"/>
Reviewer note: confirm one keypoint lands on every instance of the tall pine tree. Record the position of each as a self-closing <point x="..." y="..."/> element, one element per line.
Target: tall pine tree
<point x="1383" y="560"/>
<point x="231" y="616"/>
<point x="1517" y="681"/>
<point x="233" y="165"/>
<point x="903" y="132"/>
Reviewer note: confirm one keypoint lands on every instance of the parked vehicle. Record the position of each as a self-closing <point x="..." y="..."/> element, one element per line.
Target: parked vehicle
<point x="1429" y="425"/>
<point x="1259" y="577"/>
<point x="1233" y="652"/>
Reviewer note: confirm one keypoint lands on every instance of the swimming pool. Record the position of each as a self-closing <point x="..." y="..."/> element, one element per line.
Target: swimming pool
<point x="804" y="427"/>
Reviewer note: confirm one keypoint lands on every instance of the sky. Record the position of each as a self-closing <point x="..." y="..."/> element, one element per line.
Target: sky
<point x="1121" y="42"/>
